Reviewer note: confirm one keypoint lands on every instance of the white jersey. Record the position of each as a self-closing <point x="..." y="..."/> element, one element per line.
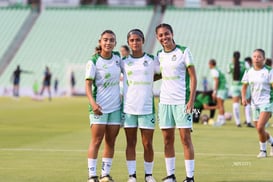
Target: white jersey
<point x="260" y="82"/>
<point x="175" y="87"/>
<point x="105" y="74"/>
<point x="138" y="75"/>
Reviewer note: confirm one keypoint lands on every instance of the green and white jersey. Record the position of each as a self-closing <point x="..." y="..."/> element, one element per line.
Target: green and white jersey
<point x="230" y="70"/>
<point x="138" y="75"/>
<point x="260" y="82"/>
<point x="175" y="87"/>
<point x="217" y="73"/>
<point x="105" y="74"/>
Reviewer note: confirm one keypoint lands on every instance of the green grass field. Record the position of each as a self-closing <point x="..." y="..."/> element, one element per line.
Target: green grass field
<point x="42" y="141"/>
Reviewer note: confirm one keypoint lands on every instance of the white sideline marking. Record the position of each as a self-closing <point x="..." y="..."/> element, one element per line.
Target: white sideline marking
<point x="117" y="151"/>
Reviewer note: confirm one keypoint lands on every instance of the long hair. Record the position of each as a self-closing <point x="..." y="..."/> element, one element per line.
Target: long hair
<point x="236" y="63"/>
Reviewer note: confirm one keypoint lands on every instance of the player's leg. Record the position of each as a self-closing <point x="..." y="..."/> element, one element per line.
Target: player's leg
<point x="236" y="110"/>
<point x="97" y="134"/>
<point x="185" y="136"/>
<point x="111" y="133"/>
<point x="184" y="123"/>
<point x="221" y="112"/>
<point x="130" y="127"/>
<point x="147" y="125"/>
<point x="167" y="126"/>
<point x="263" y="135"/>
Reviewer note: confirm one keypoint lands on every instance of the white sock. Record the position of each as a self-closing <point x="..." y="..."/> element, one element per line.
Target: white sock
<point x="170" y="165"/>
<point x="270" y="140"/>
<point x="106" y="166"/>
<point x="221" y="118"/>
<point x="131" y="166"/>
<point x="92" y="167"/>
<point x="189" y="164"/>
<point x="248" y="113"/>
<point x="236" y="113"/>
<point x="262" y="146"/>
<point x="148" y="167"/>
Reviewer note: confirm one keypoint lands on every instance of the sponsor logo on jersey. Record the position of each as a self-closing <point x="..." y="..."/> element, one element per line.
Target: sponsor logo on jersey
<point x="145" y="63"/>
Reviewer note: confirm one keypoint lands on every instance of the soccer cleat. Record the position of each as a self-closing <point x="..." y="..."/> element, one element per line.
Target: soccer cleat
<point x="262" y="154"/>
<point x="131" y="179"/>
<point x="93" y="179"/>
<point x="149" y="178"/>
<point x="170" y="178"/>
<point x="249" y="125"/>
<point x="106" y="178"/>
<point x="189" y="179"/>
<point x="239" y="125"/>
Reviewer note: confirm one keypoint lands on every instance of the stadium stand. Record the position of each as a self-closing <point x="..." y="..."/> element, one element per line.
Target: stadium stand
<point x="64" y="38"/>
<point x="217" y="33"/>
<point x="11" y="20"/>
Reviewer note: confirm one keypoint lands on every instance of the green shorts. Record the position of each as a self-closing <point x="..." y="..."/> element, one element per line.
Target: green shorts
<point x="171" y="116"/>
<point x="235" y="90"/>
<point x="113" y="118"/>
<point x="256" y="111"/>
<point x="222" y="94"/>
<point x="146" y="121"/>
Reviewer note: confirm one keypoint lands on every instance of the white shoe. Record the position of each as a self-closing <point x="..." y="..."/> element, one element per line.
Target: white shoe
<point x="150" y="179"/>
<point x="106" y="178"/>
<point x="262" y="154"/>
<point x="131" y="179"/>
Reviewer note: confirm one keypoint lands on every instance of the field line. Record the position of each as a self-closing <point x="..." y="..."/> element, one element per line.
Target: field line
<point x="117" y="151"/>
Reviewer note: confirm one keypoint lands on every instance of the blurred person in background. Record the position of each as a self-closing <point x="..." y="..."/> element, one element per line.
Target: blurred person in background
<point x="47" y="82"/>
<point x="72" y="82"/>
<point x="237" y="68"/>
<point x="16" y="76"/>
<point x="124" y="51"/>
<point x="102" y="90"/>
<point x="260" y="80"/>
<point x="219" y="93"/>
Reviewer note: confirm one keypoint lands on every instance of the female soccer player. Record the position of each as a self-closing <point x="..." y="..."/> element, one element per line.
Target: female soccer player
<point x="176" y="100"/>
<point x="260" y="80"/>
<point x="139" y="69"/>
<point x="47" y="83"/>
<point x="237" y="69"/>
<point x="102" y="89"/>
<point x="219" y="90"/>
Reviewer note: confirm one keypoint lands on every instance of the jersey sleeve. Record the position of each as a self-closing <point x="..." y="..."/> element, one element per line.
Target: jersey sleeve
<point x="188" y="57"/>
<point x="214" y="73"/>
<point x="90" y="71"/>
<point x="245" y="78"/>
<point x="271" y="76"/>
<point x="156" y="65"/>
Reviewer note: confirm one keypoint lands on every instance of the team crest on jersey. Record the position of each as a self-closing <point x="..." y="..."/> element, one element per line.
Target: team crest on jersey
<point x="145" y="63"/>
<point x="105" y="66"/>
<point x="130" y="63"/>
<point x="117" y="62"/>
<point x="174" y="58"/>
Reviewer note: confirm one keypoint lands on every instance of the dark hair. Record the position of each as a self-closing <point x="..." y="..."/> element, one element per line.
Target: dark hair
<point x="126" y="48"/>
<point x="212" y="62"/>
<point x="164" y="25"/>
<point x="107" y="31"/>
<point x="268" y="62"/>
<point x="137" y="32"/>
<point x="236" y="63"/>
<point x="261" y="51"/>
<point x="248" y="60"/>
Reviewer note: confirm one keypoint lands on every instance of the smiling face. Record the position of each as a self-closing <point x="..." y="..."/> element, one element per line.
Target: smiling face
<point x="258" y="59"/>
<point x="165" y="38"/>
<point x="107" y="43"/>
